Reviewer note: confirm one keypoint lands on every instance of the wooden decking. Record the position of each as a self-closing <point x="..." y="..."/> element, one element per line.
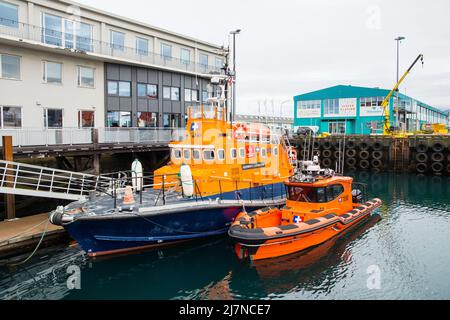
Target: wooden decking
<point x="22" y="235"/>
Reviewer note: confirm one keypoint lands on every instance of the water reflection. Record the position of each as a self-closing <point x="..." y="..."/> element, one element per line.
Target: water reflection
<point x="409" y="244"/>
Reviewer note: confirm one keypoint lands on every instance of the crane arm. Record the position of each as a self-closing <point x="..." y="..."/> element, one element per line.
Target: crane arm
<point x="385" y="103"/>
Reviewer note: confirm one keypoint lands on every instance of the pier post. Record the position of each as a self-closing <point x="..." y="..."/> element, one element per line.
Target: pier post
<point x="7" y="151"/>
<point x="96" y="156"/>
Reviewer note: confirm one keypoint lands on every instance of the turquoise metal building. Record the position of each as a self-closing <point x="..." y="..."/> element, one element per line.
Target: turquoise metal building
<point x="357" y="110"/>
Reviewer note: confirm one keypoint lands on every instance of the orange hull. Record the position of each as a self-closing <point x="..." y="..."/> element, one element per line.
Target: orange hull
<point x="269" y="242"/>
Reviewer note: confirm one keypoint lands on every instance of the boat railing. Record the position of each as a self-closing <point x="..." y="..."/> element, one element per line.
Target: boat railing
<point x="171" y="185"/>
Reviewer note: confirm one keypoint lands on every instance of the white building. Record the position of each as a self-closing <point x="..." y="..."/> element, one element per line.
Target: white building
<point x="66" y="65"/>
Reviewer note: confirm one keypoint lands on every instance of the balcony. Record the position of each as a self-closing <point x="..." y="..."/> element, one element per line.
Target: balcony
<point x="98" y="49"/>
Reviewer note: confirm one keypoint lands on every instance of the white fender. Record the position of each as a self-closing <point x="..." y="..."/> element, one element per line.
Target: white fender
<point x="136" y="175"/>
<point x="186" y="180"/>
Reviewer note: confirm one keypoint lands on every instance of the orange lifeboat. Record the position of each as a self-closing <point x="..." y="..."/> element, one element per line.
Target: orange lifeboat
<point x="320" y="205"/>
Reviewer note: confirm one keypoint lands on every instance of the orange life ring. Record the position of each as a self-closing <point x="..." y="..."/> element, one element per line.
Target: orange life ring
<point x="292" y="153"/>
<point x="240" y="131"/>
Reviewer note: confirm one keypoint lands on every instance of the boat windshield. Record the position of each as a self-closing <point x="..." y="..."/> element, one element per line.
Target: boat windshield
<point x="306" y="194"/>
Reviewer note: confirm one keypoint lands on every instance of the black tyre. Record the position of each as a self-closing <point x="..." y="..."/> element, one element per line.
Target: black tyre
<point x="327" y="145"/>
<point x="377" y="163"/>
<point x="326" y="153"/>
<point x="422" y="157"/>
<point x="437" y="167"/>
<point x="438" y="147"/>
<point x="337" y="154"/>
<point x="377" y="155"/>
<point x="351" y="144"/>
<point x="364" y="164"/>
<point x="351" y="162"/>
<point x="350" y="153"/>
<point x="327" y="163"/>
<point x="422" y="148"/>
<point x="364" y="145"/>
<point x="377" y="146"/>
<point x="316" y="145"/>
<point x="437" y="157"/>
<point x="364" y="155"/>
<point x="421" y="167"/>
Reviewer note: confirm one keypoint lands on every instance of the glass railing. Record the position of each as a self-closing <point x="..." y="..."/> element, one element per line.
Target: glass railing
<point x="19" y="30"/>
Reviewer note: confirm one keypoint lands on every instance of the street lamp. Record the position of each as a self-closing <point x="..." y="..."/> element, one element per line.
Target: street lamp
<point x="233" y="109"/>
<point x="399" y="40"/>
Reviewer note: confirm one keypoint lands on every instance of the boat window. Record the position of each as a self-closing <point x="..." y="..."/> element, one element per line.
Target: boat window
<point x="177" y="153"/>
<point x="221" y="154"/>
<point x="306" y="194"/>
<point x="275" y="151"/>
<point x="187" y="154"/>
<point x="233" y="153"/>
<point x="208" y="154"/>
<point x="196" y="154"/>
<point x="334" y="191"/>
<point x="263" y="152"/>
<point x="242" y="152"/>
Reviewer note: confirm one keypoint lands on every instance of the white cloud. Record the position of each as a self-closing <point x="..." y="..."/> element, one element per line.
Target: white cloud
<point x="291" y="47"/>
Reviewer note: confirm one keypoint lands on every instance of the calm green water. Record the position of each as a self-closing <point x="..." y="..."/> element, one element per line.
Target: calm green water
<point x="409" y="245"/>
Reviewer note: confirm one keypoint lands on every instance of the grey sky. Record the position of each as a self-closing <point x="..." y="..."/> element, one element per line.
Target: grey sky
<point x="291" y="47"/>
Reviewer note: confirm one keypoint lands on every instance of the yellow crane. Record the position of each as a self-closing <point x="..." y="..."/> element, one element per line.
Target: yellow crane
<point x="387" y="128"/>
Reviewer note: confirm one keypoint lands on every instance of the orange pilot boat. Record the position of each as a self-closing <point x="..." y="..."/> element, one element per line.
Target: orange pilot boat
<point x="320" y="205"/>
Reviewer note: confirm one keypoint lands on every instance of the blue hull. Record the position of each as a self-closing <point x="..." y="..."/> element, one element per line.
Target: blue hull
<point x="136" y="231"/>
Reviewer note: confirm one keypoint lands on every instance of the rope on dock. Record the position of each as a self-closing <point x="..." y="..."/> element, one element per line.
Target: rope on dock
<point x="26" y="231"/>
<point x="35" y="249"/>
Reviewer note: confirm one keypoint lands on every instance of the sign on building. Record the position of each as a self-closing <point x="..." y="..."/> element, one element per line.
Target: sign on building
<point x="309" y="109"/>
<point x="347" y="107"/>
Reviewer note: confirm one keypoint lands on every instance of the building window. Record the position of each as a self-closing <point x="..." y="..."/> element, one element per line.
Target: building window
<point x="218" y="63"/>
<point x="166" y="51"/>
<point x="120" y="88"/>
<point x="86" y="77"/>
<point x="336" y="127"/>
<point x="147" y="90"/>
<point x="53" y="118"/>
<point x="86" y="119"/>
<point x="331" y="106"/>
<point x="147" y="119"/>
<point x="175" y="94"/>
<point x="117" y="40"/>
<point x="11" y="117"/>
<point x="187" y="95"/>
<point x="70" y="34"/>
<point x="205" y="96"/>
<point x="194" y="95"/>
<point x="185" y="56"/>
<point x="9" y="15"/>
<point x="203" y="59"/>
<point x="166" y="93"/>
<point x="52" y="72"/>
<point x="141" y="46"/>
<point x="171" y="120"/>
<point x="9" y="66"/>
<point x="118" y="119"/>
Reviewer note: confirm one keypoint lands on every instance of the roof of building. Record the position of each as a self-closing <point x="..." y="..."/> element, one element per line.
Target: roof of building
<point x="142" y="24"/>
<point x="263" y="119"/>
<point x="348" y="91"/>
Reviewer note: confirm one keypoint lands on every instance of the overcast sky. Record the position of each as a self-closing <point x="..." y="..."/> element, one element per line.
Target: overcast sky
<point x="291" y="47"/>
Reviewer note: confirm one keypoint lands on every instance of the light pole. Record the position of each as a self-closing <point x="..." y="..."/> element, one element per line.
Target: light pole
<point x="233" y="109"/>
<point x="399" y="40"/>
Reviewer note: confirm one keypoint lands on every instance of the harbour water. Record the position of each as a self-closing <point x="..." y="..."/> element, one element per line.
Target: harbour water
<point x="406" y="251"/>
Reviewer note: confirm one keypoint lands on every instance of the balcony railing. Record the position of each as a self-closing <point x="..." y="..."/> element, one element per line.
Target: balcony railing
<point x="81" y="44"/>
<point x="29" y="137"/>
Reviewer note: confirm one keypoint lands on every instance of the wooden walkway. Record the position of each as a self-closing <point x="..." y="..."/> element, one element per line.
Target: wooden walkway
<point x="22" y="235"/>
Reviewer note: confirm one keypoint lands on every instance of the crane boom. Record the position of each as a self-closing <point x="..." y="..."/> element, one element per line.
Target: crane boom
<point x="387" y="129"/>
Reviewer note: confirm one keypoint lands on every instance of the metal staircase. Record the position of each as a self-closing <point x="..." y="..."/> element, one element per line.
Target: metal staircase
<point x="29" y="180"/>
